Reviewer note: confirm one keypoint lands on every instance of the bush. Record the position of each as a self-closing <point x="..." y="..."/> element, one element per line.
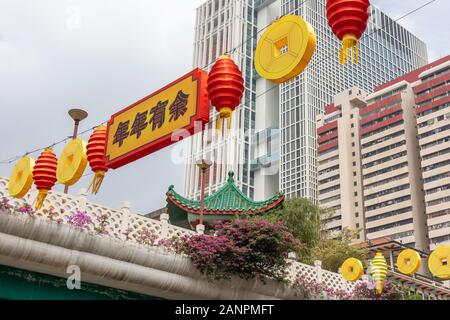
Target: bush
<point x="333" y="252"/>
<point x="245" y="248"/>
<point x="364" y="291"/>
<point x="311" y="290"/>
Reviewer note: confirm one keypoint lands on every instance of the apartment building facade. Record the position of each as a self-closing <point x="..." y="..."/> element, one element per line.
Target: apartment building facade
<point x="339" y="162"/>
<point x="401" y="159"/>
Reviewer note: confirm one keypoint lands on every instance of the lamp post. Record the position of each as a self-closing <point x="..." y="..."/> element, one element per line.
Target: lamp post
<point x="77" y="115"/>
<point x="203" y="164"/>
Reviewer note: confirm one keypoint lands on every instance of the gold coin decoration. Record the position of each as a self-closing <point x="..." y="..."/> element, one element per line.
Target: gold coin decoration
<point x="439" y="262"/>
<point x="21" y="178"/>
<point x="72" y="162"/>
<point x="352" y="269"/>
<point x="285" y="49"/>
<point x="408" y="262"/>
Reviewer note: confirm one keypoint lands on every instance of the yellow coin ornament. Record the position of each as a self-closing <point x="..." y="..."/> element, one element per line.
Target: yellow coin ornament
<point x="352" y="269"/>
<point x="72" y="162"/>
<point x="285" y="49"/>
<point x="439" y="263"/>
<point x="21" y="178"/>
<point x="408" y="262"/>
<point x="379" y="271"/>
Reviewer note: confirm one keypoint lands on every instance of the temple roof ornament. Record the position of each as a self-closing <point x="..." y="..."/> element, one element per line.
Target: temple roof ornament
<point x="225" y="204"/>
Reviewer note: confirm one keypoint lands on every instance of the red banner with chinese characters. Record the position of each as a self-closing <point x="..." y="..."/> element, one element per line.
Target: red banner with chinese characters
<point x="147" y="125"/>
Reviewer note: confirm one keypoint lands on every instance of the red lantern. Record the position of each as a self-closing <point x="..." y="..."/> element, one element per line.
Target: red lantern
<point x="44" y="175"/>
<point x="225" y="88"/>
<point x="95" y="151"/>
<point x="348" y="20"/>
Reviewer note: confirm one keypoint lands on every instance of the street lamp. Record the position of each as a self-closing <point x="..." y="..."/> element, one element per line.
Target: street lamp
<point x="204" y="165"/>
<point x="77" y="115"/>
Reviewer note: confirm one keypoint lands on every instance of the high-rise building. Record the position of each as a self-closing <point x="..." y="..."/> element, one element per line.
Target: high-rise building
<point x="339" y="161"/>
<point x="387" y="50"/>
<point x="399" y="138"/>
<point x="279" y="154"/>
<point x="432" y="91"/>
<point x="225" y="26"/>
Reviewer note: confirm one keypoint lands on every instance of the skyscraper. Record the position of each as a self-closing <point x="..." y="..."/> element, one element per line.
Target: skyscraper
<point x="280" y="153"/>
<point x="387" y="50"/>
<point x="225" y="26"/>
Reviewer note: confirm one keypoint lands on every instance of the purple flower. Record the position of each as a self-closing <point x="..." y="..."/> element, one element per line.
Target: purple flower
<point x="80" y="220"/>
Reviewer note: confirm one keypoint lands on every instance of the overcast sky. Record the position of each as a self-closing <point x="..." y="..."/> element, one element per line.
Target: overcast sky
<point x="102" y="56"/>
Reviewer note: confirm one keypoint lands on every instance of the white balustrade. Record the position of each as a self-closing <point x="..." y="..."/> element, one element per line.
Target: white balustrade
<point x="124" y="225"/>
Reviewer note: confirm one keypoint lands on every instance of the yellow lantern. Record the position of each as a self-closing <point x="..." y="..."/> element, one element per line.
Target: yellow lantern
<point x="439" y="263"/>
<point x="408" y="262"/>
<point x="352" y="269"/>
<point x="379" y="271"/>
<point x="21" y="178"/>
<point x="285" y="49"/>
<point x="72" y="162"/>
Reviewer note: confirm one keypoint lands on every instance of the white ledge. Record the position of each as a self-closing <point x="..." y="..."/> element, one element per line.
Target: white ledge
<point x="43" y="246"/>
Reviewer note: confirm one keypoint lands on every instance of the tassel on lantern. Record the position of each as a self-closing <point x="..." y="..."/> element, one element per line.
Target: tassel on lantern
<point x="225" y="88"/>
<point x="44" y="175"/>
<point x="95" y="151"/>
<point x="379" y="271"/>
<point x="349" y="49"/>
<point x="224" y="114"/>
<point x="96" y="182"/>
<point x="348" y="20"/>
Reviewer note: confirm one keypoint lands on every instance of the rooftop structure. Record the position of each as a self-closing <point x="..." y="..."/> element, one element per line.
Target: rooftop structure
<point x="227" y="203"/>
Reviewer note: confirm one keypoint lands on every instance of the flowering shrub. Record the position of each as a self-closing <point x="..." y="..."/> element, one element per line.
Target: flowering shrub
<point x="311" y="290"/>
<point x="80" y="220"/>
<point x="102" y="220"/>
<point x="146" y="236"/>
<point x="4" y="204"/>
<point x="27" y="209"/>
<point x="52" y="215"/>
<point x="245" y="248"/>
<point x="366" y="291"/>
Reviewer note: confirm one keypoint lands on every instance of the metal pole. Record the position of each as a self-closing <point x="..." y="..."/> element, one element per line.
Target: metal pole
<point x="74" y="136"/>
<point x="202" y="195"/>
<point x="77" y="115"/>
<point x="203" y="164"/>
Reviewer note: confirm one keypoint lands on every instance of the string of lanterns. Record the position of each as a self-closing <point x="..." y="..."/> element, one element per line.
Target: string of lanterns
<point x="408" y="262"/>
<point x="329" y="13"/>
<point x="67" y="170"/>
<point x="225" y="89"/>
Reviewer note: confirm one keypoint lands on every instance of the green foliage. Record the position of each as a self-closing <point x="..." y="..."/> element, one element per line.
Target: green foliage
<point x="333" y="252"/>
<point x="307" y="222"/>
<point x="407" y="295"/>
<point x="246" y="248"/>
<point x="366" y="291"/>
<point x="305" y="219"/>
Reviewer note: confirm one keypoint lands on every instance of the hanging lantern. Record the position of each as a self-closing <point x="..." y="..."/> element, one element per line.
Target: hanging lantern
<point x="72" y="162"/>
<point x="348" y="20"/>
<point x="378" y="270"/>
<point x="44" y="175"/>
<point x="225" y="88"/>
<point x="21" y="178"/>
<point x="96" y="156"/>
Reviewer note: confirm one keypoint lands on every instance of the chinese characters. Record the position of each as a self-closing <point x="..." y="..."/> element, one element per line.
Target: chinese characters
<point x="153" y="118"/>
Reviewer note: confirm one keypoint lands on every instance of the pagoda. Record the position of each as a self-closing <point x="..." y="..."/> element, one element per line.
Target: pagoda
<point x="228" y="203"/>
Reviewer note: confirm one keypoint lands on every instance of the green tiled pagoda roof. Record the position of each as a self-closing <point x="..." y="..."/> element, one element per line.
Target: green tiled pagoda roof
<point x="227" y="200"/>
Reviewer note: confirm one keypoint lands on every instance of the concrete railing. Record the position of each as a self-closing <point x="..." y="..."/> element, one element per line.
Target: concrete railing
<point x="122" y="225"/>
